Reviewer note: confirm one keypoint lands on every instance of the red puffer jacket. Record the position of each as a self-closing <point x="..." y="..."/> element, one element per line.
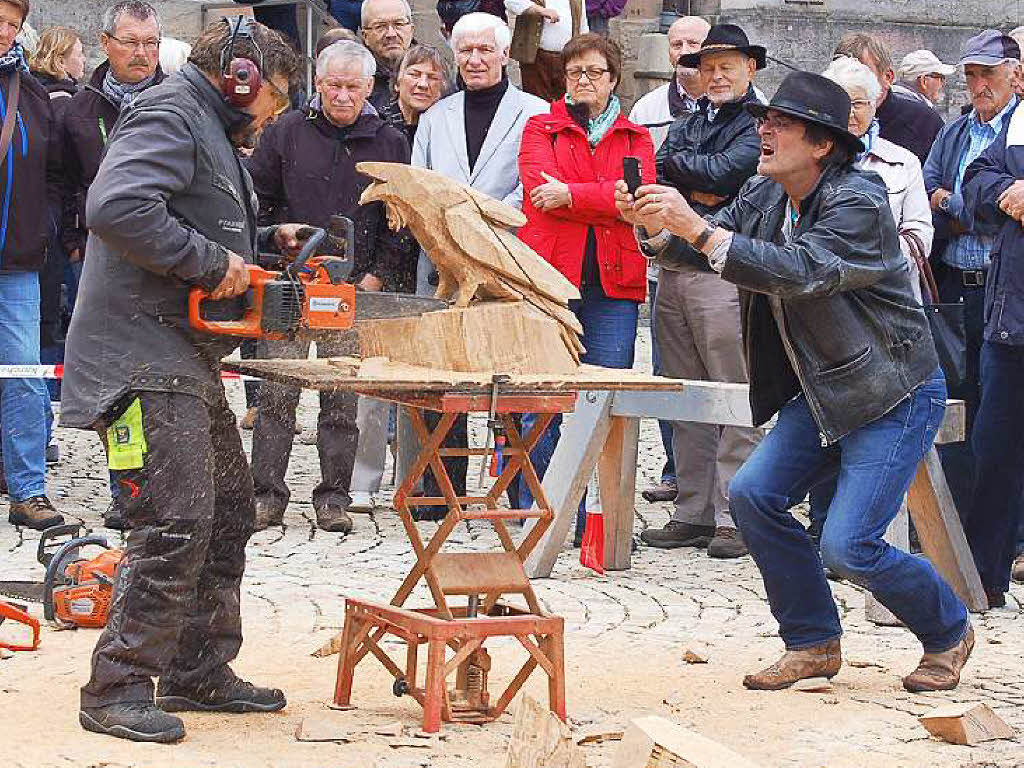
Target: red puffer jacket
<point x="556" y="145"/>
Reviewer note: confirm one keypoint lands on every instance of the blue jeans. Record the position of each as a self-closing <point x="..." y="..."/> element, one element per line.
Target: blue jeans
<point x="874" y="466"/>
<point x="609" y="335"/>
<point x="25" y="416"/>
<point x="998" y="442"/>
<point x="668" y="472"/>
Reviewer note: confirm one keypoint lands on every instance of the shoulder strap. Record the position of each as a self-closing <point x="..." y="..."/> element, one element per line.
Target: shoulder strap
<point x="929" y="287"/>
<point x="11" y="114"/>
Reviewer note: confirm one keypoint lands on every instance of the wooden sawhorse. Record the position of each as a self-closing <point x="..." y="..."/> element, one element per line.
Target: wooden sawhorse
<point x="481" y="577"/>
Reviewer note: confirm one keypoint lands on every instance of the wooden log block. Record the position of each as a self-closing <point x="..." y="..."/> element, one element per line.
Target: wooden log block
<point x="616" y="476"/>
<point x="541" y="740"/>
<point x="505" y="337"/>
<point x="654" y="742"/>
<point x="967" y="724"/>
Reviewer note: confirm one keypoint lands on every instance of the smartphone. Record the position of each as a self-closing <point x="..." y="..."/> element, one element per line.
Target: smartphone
<point x="631" y="173"/>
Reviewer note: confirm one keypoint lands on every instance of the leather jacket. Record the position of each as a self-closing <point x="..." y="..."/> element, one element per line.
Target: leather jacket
<point x="831" y="313"/>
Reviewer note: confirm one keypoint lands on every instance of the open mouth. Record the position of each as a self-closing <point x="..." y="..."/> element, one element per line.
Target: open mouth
<point x="767" y="151"/>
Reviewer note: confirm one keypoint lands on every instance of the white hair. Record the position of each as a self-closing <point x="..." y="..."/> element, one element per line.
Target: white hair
<point x="364" y="14"/>
<point x="851" y="73"/>
<point x="475" y="23"/>
<point x="346" y="50"/>
<point x="173" y="54"/>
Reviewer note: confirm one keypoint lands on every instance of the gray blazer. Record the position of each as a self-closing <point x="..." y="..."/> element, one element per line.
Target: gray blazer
<point x="440" y="145"/>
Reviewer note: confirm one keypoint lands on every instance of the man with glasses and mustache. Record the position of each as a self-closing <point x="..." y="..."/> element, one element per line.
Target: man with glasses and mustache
<point x="131" y="42"/>
<point x="387" y="31"/>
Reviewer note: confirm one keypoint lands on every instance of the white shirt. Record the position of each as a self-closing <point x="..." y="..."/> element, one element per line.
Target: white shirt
<point x="553" y="37"/>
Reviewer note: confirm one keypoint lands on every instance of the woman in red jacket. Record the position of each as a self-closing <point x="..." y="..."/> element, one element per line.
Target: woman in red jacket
<point x="569" y="161"/>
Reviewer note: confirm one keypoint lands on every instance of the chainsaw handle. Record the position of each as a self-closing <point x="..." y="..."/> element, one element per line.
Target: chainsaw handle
<point x="309" y="248"/>
<point x="248" y="326"/>
<point x="58" y="562"/>
<point x="8" y="611"/>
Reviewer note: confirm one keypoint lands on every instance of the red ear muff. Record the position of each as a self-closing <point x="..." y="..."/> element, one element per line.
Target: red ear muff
<point x="240" y="82"/>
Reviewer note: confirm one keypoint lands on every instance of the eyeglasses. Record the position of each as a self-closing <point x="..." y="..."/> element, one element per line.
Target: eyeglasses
<point x="775" y="123"/>
<point x="593" y="73"/>
<point x="381" y="27"/>
<point x="859" y="105"/>
<point x="146" y="45"/>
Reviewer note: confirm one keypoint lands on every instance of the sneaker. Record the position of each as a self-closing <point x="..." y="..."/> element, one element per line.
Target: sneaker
<point x="1017" y="571"/>
<point x="676" y="534"/>
<point x="267" y="515"/>
<point x="135" y="721"/>
<point x="236" y="697"/>
<point x="36" y="513"/>
<point x="361" y="502"/>
<point x="666" y="490"/>
<point x="817" y="661"/>
<point x="114" y="518"/>
<point x="941" y="671"/>
<point x="249" y="420"/>
<point x="333" y="518"/>
<point x="52" y="455"/>
<point x="727" y="544"/>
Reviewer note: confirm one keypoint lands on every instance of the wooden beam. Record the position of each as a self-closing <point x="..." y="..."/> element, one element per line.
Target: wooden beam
<point x="583" y="436"/>
<point x="616" y="476"/>
<point x="941" y="535"/>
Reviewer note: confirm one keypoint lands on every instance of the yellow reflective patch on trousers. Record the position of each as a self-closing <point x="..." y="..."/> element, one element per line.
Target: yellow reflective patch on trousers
<point x="126" y="440"/>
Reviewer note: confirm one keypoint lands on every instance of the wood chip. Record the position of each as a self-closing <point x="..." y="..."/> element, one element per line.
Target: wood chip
<point x="322" y="729"/>
<point x="967" y="724"/>
<point x="388" y="729"/>
<point x="812" y="685"/>
<point x="691" y="657"/>
<point x="599" y="734"/>
<point x="329" y="648"/>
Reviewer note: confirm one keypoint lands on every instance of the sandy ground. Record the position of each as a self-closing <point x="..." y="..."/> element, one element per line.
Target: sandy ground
<point x="625" y="637"/>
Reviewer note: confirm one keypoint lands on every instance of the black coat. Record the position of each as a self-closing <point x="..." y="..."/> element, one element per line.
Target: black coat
<point x="304" y="171"/>
<point x="30" y="180"/>
<point x="831" y="313"/>
<point x="908" y="122"/>
<point x="715" y="157"/>
<point x="88" y="122"/>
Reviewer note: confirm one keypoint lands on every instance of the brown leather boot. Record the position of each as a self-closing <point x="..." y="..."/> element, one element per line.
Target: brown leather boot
<point x="819" y="661"/>
<point x="941" y="671"/>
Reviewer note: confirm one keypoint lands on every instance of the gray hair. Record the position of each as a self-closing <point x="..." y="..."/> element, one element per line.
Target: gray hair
<point x="364" y="15"/>
<point x="418" y="54"/>
<point x="134" y="8"/>
<point x="347" y="50"/>
<point x="851" y="73"/>
<point x="475" y="23"/>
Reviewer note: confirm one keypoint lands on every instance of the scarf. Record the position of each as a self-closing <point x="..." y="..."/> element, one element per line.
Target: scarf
<point x="868" y="139"/>
<point x="13" y="59"/>
<point x="600" y="125"/>
<point x="123" y="94"/>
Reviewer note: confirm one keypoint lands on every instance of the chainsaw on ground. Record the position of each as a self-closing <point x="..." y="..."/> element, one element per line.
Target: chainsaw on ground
<point x="309" y="297"/>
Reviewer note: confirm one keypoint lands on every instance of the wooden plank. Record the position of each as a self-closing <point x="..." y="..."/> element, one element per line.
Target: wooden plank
<point x="583" y="436"/>
<point x="940" y="533"/>
<point x="897" y="534"/>
<point x="706" y="402"/>
<point x="616" y="476"/>
<point x="478" y="573"/>
<point x="654" y="742"/>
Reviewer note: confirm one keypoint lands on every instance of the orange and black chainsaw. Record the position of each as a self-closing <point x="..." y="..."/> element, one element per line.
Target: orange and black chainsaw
<point x="307" y="298"/>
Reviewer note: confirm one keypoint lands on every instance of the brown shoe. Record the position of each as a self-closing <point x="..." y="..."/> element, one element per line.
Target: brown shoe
<point x="819" y="661"/>
<point x="727" y="544"/>
<point x="36" y="512"/>
<point x="941" y="671"/>
<point x="1017" y="572"/>
<point x="267" y="515"/>
<point x="333" y="518"/>
<point x="663" y="491"/>
<point x="249" y="420"/>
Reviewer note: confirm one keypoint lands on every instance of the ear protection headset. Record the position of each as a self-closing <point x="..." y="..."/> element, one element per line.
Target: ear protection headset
<point x="240" y="79"/>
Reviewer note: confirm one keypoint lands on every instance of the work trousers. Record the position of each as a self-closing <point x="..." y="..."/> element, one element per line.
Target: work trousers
<point x="697" y="321"/>
<point x="175" y="612"/>
<point x="998" y="440"/>
<point x="874" y="466"/>
<point x="274" y="431"/>
<point x="545" y="77"/>
<point x="371" y="453"/>
<point x="668" y="471"/>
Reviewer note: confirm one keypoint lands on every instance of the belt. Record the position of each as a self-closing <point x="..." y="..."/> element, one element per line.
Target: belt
<point x="973" y="278"/>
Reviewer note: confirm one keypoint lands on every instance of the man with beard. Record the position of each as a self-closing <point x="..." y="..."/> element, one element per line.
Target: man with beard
<point x="173" y="209"/>
<point x="387" y="31"/>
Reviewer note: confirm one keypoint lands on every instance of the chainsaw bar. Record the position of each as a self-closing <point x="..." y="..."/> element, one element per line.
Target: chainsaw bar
<point x="372" y="305"/>
<point x="32" y="591"/>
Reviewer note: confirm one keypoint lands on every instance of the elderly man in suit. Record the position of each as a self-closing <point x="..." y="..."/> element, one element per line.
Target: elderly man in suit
<point x="473" y="137"/>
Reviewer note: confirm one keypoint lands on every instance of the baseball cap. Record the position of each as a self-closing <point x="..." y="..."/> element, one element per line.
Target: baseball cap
<point x="990" y="48"/>
<point x="923" y="62"/>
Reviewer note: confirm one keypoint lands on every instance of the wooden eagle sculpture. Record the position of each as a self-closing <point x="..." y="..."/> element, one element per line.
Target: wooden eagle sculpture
<point x="466" y="234"/>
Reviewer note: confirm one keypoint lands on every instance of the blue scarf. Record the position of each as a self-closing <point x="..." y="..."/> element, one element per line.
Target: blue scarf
<point x="123" y="94"/>
<point x="868" y="139"/>
<point x="13" y="59"/>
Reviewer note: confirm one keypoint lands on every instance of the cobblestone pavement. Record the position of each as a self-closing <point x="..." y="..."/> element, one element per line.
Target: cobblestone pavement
<point x="626" y="633"/>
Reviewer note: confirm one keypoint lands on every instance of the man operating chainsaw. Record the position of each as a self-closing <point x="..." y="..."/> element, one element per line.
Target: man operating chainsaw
<point x="172" y="209"/>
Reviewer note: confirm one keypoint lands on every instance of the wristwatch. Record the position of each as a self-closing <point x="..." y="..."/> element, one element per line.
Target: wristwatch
<point x="944" y="203"/>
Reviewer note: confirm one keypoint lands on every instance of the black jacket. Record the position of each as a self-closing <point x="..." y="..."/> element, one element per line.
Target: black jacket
<point x="304" y="171"/>
<point x="908" y="122"/>
<point x="30" y="179"/>
<point x="382" y="92"/>
<point x="170" y="200"/>
<point x="715" y="157"/>
<point x="87" y="124"/>
<point x="831" y="313"/>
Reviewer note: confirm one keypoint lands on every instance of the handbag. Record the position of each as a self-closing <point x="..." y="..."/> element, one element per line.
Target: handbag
<point x="945" y="320"/>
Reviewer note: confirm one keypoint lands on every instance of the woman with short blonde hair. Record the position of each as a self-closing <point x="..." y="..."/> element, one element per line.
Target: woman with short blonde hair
<point x="59" y="54"/>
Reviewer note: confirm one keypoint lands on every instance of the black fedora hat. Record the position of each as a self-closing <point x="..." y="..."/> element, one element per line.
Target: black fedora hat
<point x="725" y="37"/>
<point x="815" y="99"/>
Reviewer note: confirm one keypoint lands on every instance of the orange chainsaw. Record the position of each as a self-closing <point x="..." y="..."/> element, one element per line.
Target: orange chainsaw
<point x="77" y="590"/>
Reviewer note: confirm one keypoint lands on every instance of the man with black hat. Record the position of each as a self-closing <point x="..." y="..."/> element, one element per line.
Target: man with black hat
<point x="838" y="347"/>
<point x="707" y="156"/>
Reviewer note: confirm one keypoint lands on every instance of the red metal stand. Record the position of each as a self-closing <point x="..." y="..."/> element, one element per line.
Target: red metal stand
<point x="482" y="577"/>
